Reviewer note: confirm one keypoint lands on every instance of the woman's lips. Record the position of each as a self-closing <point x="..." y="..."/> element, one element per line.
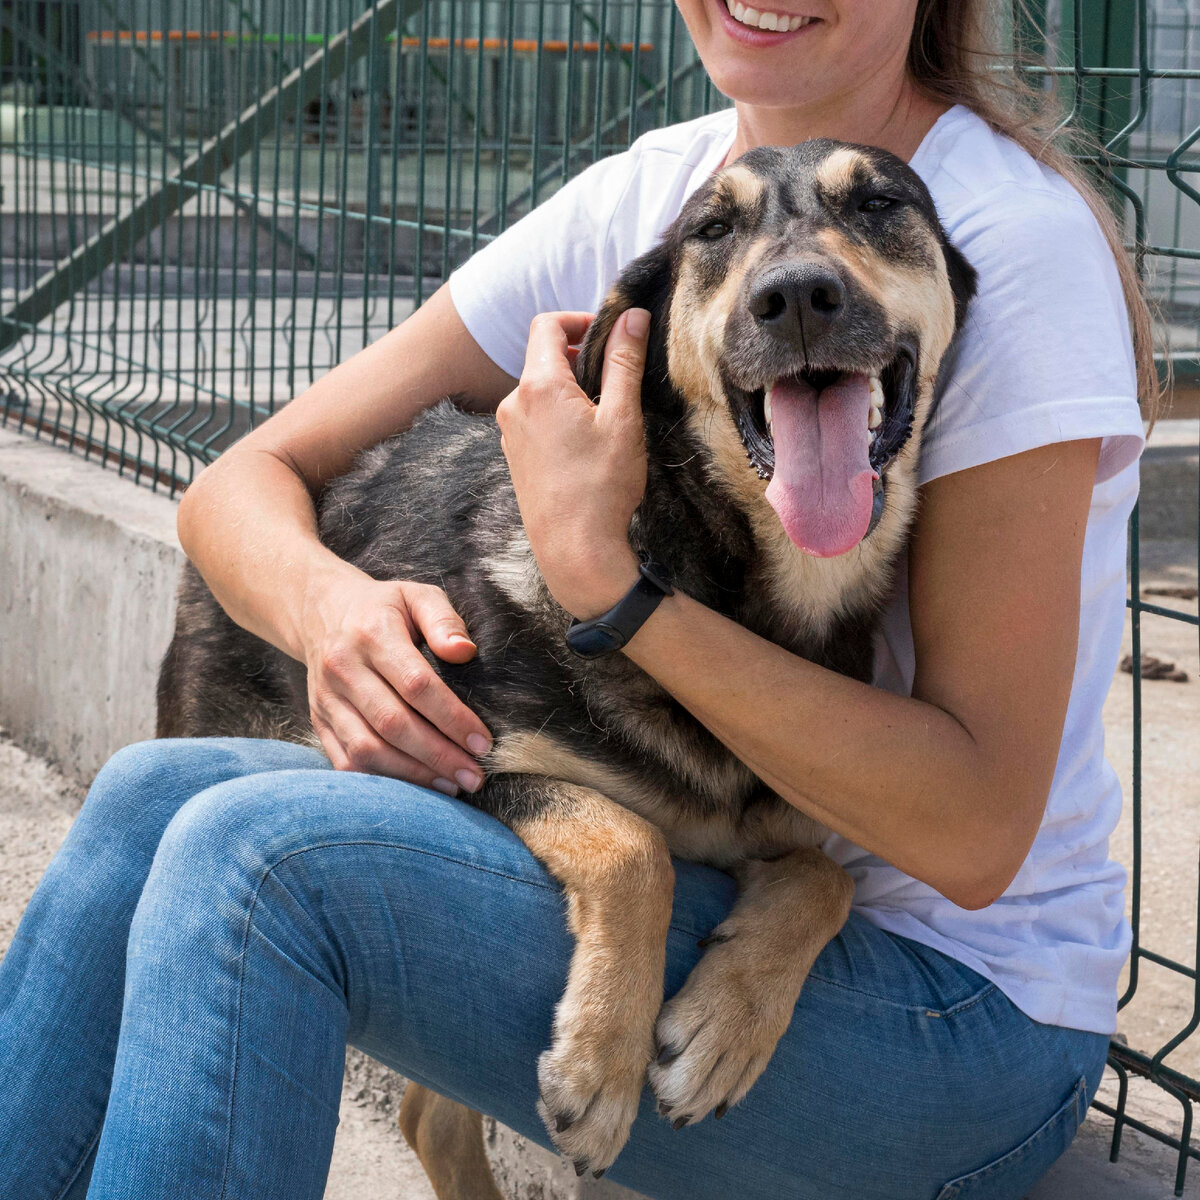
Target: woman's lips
<point x="750" y="36"/>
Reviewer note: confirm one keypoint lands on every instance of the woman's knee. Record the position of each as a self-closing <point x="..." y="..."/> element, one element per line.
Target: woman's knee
<point x="142" y="786"/>
<point x="214" y="875"/>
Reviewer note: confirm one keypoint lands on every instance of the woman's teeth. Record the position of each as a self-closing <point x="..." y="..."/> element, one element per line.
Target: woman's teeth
<point x="778" y="22"/>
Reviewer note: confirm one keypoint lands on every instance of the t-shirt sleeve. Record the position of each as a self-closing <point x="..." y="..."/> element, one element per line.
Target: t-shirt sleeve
<point x="555" y="258"/>
<point x="1045" y="354"/>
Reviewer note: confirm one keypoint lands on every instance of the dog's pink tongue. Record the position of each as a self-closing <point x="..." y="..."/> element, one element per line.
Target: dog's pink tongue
<point x="822" y="485"/>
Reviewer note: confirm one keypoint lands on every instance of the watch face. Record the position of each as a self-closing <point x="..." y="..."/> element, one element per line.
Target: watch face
<point x="589" y="640"/>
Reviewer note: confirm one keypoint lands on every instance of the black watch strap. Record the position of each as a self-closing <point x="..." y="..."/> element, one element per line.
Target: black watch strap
<point x="611" y="630"/>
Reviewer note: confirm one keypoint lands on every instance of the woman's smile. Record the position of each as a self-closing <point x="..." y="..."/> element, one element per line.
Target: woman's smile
<point x="759" y="27"/>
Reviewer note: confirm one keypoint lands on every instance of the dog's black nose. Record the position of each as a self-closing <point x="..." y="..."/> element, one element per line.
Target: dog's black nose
<point x="797" y="297"/>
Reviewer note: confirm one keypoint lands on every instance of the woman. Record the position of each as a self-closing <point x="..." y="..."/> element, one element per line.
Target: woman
<point x="949" y="1040"/>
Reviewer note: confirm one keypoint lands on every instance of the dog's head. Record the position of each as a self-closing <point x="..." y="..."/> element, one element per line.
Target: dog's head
<point x="801" y="305"/>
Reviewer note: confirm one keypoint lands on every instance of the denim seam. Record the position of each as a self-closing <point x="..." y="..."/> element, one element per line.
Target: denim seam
<point x="953" y="1011"/>
<point x="1077" y="1101"/>
<point x="687" y="931"/>
<point x="284" y="954"/>
<point x="66" y="1187"/>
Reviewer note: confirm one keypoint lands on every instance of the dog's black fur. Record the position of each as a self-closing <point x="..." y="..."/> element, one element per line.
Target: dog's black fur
<point x="436" y="505"/>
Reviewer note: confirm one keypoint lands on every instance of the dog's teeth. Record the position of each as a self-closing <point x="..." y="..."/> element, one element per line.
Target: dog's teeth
<point x="875" y="391"/>
<point x="767" y="410"/>
<point x="871" y="438"/>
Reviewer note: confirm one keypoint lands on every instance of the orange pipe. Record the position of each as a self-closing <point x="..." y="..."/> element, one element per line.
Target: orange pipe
<point x="520" y="45"/>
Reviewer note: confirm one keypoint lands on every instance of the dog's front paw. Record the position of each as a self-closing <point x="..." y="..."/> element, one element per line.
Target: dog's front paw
<point x="717" y="1034"/>
<point x="590" y="1083"/>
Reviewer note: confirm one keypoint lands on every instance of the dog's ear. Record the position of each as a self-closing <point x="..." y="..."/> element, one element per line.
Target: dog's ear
<point x="963" y="281"/>
<point x="644" y="283"/>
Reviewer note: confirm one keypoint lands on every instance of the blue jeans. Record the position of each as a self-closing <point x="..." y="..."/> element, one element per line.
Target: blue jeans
<point x="225" y="916"/>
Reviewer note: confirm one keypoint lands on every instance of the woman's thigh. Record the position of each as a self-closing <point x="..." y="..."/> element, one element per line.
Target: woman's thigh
<point x="901" y="1071"/>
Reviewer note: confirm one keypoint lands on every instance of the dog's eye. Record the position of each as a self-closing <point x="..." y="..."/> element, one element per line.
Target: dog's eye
<point x="875" y="204"/>
<point x="713" y="231"/>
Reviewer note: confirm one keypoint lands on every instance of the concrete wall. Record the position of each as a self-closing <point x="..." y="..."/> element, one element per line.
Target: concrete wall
<point x="88" y="563"/>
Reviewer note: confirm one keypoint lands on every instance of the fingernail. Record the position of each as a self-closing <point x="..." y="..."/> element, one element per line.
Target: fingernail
<point x="447" y="786"/>
<point x="637" y="322"/>
<point x="469" y="779"/>
<point x="478" y="744"/>
<point x="461" y="637"/>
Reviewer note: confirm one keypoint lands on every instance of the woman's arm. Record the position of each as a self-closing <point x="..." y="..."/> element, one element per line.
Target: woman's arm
<point x="248" y="524"/>
<point x="949" y="784"/>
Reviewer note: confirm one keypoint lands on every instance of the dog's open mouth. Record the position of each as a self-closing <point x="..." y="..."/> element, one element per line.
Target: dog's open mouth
<point x="825" y="438"/>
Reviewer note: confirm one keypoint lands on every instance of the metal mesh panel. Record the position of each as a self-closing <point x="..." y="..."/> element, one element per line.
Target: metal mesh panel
<point x="206" y="204"/>
<point x="205" y="208"/>
<point x="1130" y="71"/>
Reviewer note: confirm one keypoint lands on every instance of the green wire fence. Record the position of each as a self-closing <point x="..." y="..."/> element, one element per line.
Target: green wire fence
<point x="206" y="204"/>
<point x="204" y="209"/>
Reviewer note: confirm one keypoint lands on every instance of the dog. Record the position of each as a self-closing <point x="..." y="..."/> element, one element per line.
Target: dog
<point x="804" y="296"/>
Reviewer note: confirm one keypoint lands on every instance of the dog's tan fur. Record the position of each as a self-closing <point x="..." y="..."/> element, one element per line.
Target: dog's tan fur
<point x="448" y="1139"/>
<point x="737" y="1003"/>
<point x="840" y="170"/>
<point x="719" y="839"/>
<point x="616" y="872"/>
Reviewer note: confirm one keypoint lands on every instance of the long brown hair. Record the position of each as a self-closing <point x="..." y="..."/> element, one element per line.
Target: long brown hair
<point x="958" y="55"/>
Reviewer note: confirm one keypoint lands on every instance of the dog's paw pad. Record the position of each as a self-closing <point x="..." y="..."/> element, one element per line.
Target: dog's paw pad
<point x="589" y="1099"/>
<point x="713" y="1044"/>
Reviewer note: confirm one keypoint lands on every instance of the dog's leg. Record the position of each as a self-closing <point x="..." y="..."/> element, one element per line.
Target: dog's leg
<point x="448" y="1139"/>
<point x="617" y="875"/>
<point x="718" y="1033"/>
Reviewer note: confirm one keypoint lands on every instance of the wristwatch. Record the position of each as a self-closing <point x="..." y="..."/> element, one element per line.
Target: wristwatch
<point x="613" y="629"/>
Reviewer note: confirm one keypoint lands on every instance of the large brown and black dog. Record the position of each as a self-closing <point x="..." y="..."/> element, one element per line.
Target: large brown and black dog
<point x="801" y="305"/>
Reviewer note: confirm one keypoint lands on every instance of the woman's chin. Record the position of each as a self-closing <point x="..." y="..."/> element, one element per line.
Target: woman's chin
<point x="745" y="82"/>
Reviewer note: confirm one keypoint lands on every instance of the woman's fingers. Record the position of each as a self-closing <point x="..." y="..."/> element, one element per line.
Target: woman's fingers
<point x="377" y="702"/>
<point x="624" y="364"/>
<point x="444" y="631"/>
<point x="550" y="337"/>
<point x="416" y="683"/>
<point x="351" y="744"/>
<point x="413" y="717"/>
<point x="406" y="705"/>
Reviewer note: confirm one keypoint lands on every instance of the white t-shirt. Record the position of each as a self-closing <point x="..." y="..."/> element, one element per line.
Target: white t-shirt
<point x="1045" y="357"/>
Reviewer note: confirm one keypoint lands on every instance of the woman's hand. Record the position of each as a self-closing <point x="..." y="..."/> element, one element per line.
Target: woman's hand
<point x="578" y="467"/>
<point x="376" y="703"/>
